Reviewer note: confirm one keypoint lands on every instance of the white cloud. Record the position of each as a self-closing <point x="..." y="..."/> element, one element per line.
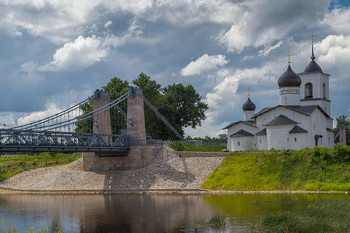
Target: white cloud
<point x="34" y="116"/>
<point x="338" y="20"/>
<point x="79" y="54"/>
<point x="7" y="119"/>
<point x="61" y="20"/>
<point x="204" y="63"/>
<point x="268" y="49"/>
<point x="334" y="50"/>
<point x="107" y="24"/>
<point x="262" y="26"/>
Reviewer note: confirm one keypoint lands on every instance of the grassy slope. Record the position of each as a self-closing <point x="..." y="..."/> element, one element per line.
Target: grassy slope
<point x="178" y="146"/>
<point x="12" y="166"/>
<point x="318" y="169"/>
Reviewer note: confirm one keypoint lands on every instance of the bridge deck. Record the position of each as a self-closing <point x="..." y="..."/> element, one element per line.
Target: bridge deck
<point x="42" y="141"/>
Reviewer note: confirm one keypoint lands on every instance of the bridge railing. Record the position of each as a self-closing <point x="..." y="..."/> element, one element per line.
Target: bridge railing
<point x="13" y="140"/>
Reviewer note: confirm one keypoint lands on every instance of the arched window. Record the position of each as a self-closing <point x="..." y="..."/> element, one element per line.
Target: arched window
<point x="324" y="91"/>
<point x="239" y="143"/>
<point x="308" y="90"/>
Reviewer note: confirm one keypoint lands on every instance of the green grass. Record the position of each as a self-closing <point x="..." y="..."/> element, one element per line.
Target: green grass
<point x="320" y="216"/>
<point x="179" y="146"/>
<point x="12" y="166"/>
<point x="317" y="169"/>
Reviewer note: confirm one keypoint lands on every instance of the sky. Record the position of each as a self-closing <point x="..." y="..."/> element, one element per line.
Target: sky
<point x="55" y="53"/>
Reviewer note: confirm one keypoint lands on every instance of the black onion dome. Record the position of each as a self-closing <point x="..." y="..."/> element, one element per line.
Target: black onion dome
<point x="289" y="79"/>
<point x="313" y="66"/>
<point x="248" y="106"/>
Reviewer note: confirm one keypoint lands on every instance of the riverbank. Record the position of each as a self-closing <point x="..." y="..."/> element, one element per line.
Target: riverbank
<point x="169" y="172"/>
<point x="317" y="169"/>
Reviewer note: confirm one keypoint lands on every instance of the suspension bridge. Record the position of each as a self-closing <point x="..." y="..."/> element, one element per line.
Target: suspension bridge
<point x="97" y="124"/>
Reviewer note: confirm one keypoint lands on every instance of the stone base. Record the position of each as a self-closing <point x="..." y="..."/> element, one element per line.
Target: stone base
<point x="137" y="157"/>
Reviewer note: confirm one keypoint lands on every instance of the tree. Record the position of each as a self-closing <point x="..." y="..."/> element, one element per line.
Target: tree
<point x="180" y="105"/>
<point x="343" y="120"/>
<point x="188" y="105"/>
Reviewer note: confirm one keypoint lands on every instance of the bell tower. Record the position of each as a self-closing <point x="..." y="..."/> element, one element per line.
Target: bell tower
<point x="315" y="84"/>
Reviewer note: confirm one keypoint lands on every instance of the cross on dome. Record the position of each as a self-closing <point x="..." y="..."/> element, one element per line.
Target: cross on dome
<point x="289" y="56"/>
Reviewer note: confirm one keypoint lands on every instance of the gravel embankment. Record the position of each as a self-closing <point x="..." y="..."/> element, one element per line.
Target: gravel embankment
<point x="167" y="172"/>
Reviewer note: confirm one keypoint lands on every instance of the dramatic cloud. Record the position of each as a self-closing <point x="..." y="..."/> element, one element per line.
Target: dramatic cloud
<point x="204" y="63"/>
<point x="34" y="116"/>
<point x="338" y="20"/>
<point x="261" y="25"/>
<point x="60" y="51"/>
<point x="79" y="54"/>
<point x="334" y="50"/>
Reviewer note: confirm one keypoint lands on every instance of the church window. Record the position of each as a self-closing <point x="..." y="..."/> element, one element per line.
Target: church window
<point x="260" y="140"/>
<point x="239" y="143"/>
<point x="295" y="139"/>
<point x="324" y="91"/>
<point x="287" y="139"/>
<point x="308" y="90"/>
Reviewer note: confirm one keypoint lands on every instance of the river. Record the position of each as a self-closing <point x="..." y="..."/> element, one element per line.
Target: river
<point x="146" y="213"/>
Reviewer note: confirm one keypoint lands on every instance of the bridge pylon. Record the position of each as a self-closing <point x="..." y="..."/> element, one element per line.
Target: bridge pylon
<point x="136" y="128"/>
<point x="102" y="121"/>
<point x="139" y="153"/>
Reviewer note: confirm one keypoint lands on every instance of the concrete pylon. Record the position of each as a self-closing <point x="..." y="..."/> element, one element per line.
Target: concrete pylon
<point x="136" y="127"/>
<point x="102" y="121"/>
<point x="342" y="136"/>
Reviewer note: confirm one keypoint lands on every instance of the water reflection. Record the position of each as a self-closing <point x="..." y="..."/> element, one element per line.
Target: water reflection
<point x="105" y="213"/>
<point x="146" y="213"/>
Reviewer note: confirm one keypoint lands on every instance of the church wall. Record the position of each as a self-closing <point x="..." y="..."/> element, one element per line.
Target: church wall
<point x="318" y="127"/>
<point x="242" y="143"/>
<point x="298" y="141"/>
<point x="329" y="123"/>
<point x="235" y="128"/>
<point x="290" y="96"/>
<point x="277" y="137"/>
<point x="261" y="142"/>
<point x="330" y="139"/>
<point x="317" y="80"/>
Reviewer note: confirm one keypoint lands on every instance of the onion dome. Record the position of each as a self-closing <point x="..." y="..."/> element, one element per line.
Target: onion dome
<point x="312" y="66"/>
<point x="289" y="79"/>
<point x="248" y="105"/>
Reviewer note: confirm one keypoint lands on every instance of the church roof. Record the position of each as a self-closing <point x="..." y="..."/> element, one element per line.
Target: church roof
<point x="261" y="132"/>
<point x="298" y="129"/>
<point x="289" y="79"/>
<point x="242" y="133"/>
<point x="250" y="123"/>
<point x="312" y="67"/>
<point x="248" y="105"/>
<point x="281" y="120"/>
<point x="306" y="110"/>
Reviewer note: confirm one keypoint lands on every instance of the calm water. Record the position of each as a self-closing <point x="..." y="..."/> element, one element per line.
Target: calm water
<point x="145" y="213"/>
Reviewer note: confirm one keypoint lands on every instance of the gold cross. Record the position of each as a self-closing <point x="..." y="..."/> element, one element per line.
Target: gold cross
<point x="289" y="56"/>
<point x="248" y="92"/>
<point x="312" y="37"/>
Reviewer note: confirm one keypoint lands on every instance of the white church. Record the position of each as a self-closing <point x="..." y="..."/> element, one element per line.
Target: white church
<point x="302" y="119"/>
